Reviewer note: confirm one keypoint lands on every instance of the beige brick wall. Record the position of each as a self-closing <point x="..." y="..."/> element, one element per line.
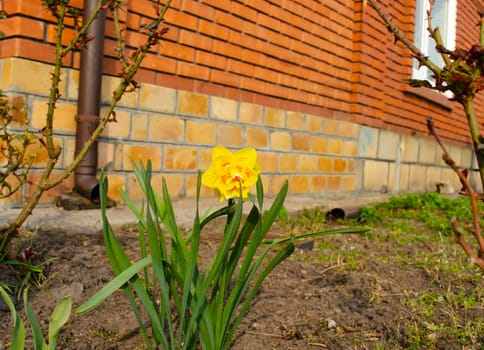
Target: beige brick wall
<point x="397" y="163"/>
<point x="177" y="129"/>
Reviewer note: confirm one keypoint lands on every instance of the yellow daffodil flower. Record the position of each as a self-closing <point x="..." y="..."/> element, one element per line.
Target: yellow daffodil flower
<point x="232" y="172"/>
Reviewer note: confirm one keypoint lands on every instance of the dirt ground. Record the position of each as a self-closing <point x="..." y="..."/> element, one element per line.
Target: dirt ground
<point x="306" y="303"/>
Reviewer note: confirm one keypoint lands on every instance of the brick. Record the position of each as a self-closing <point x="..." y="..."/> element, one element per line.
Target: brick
<point x="204" y="58"/>
<point x="109" y="85"/>
<point x="467" y="156"/>
<point x="299" y="184"/>
<point x="339" y="165"/>
<point x="267" y="161"/>
<point x="191" y="103"/>
<point x="350" y="165"/>
<point x="243" y="11"/>
<point x="173" y="82"/>
<point x="180" y="158"/>
<point x="139" y="127"/>
<point x="276" y="183"/>
<point x="230" y="135"/>
<point x="51" y="33"/>
<point x="375" y="175"/>
<point x="134" y="190"/>
<point x="64" y="116"/>
<point x="18" y="113"/>
<point x="205" y="158"/>
<point x="455" y="153"/>
<point x="177" y="51"/>
<point x="200" y="133"/>
<point x="417" y="178"/>
<point x="287" y="162"/>
<point x="253" y="57"/>
<point x="348" y="183"/>
<point x="319" y="144"/>
<point x="217" y="4"/>
<point x="325" y="164"/>
<point x="117" y="183"/>
<point x="274" y="117"/>
<point x="157" y="98"/>
<point x="250" y="113"/>
<point x="133" y="21"/>
<point x="49" y="196"/>
<point x="433" y="176"/>
<point x="449" y="175"/>
<point x="189" y="21"/>
<point x="212" y="29"/>
<point x="331" y="126"/>
<point x="119" y="128"/>
<point x="119" y="156"/>
<point x="223" y="108"/>
<point x="22" y="26"/>
<point x="198" y="9"/>
<point x="295" y="120"/>
<point x="105" y="155"/>
<point x="308" y="163"/>
<point x="36" y="152"/>
<point x="438" y="157"/>
<point x="166" y="128"/>
<point x="348" y="129"/>
<point x="18" y="73"/>
<point x="72" y="82"/>
<point x="368" y="142"/>
<point x="238" y="67"/>
<point x="229" y="20"/>
<point x="224" y="78"/>
<point x="192" y="70"/>
<point x="159" y="63"/>
<point x="427" y="150"/>
<point x="280" y="140"/>
<point x="191" y="188"/>
<point x="27" y="7"/>
<point x="300" y="142"/>
<point x="335" y="146"/>
<point x="175" y="184"/>
<point x="318" y="184"/>
<point x="394" y="172"/>
<point x="388" y="145"/>
<point x="256" y="137"/>
<point x="69" y="149"/>
<point x="333" y="183"/>
<point x="34" y="50"/>
<point x="313" y="123"/>
<point x="141" y="154"/>
<point x="350" y="148"/>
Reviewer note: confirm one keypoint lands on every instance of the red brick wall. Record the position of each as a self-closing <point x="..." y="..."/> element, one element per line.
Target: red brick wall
<point x="325" y="58"/>
<point x="381" y="97"/>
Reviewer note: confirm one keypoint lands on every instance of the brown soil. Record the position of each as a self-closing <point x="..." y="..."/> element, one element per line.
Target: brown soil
<point x="306" y="303"/>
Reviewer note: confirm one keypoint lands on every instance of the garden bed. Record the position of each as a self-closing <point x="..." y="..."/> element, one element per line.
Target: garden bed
<point x="390" y="289"/>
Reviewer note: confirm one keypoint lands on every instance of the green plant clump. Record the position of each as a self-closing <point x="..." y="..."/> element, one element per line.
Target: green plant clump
<point x="433" y="210"/>
<point x="209" y="302"/>
<point x="58" y="319"/>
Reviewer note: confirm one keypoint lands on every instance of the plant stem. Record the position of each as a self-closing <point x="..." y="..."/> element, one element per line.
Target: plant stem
<point x="468" y="105"/>
<point x="481" y="25"/>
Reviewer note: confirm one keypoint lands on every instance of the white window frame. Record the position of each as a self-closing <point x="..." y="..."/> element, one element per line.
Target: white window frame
<point x="422" y="39"/>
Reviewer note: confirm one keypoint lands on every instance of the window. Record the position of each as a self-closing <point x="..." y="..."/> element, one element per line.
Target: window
<point x="444" y="17"/>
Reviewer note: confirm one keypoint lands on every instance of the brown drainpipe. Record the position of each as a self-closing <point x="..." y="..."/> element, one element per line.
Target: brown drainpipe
<point x="89" y="104"/>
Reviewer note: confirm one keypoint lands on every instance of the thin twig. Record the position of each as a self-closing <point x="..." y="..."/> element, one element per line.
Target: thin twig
<point x="476" y="230"/>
